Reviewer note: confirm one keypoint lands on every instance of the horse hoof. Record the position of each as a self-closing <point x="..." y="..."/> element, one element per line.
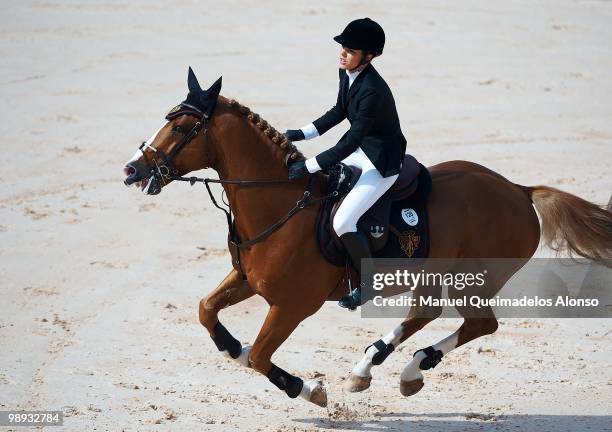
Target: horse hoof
<point x="356" y="383"/>
<point x="409" y="388"/>
<point x="318" y="395"/>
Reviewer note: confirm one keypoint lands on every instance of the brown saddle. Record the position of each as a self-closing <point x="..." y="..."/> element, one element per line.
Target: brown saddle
<point x="408" y="180"/>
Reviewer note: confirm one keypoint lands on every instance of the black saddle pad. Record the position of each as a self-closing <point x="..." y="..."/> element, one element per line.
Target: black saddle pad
<point x="409" y="224"/>
<point x="396" y="229"/>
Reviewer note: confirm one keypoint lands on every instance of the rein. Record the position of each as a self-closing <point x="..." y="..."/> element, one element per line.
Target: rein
<point x="306" y="200"/>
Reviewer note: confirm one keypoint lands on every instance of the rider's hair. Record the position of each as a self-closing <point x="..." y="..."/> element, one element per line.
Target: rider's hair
<point x="366" y="52"/>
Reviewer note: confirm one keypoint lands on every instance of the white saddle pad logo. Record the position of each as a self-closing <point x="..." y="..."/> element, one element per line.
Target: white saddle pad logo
<point x="410" y="216"/>
<point x="377" y="231"/>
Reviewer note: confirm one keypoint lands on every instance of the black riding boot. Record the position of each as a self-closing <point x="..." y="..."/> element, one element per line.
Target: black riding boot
<point x="357" y="246"/>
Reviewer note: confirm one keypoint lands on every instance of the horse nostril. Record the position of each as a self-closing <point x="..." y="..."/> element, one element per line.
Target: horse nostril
<point x="130" y="173"/>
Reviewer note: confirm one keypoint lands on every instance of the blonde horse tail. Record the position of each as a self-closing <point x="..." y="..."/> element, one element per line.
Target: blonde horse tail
<point x="572" y="224"/>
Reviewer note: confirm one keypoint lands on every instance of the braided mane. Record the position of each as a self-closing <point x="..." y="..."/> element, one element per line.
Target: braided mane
<point x="291" y="151"/>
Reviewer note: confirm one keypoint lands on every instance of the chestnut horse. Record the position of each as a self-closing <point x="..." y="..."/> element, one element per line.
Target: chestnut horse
<point x="491" y="217"/>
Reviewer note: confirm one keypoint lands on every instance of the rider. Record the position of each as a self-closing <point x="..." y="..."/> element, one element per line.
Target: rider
<point x="374" y="142"/>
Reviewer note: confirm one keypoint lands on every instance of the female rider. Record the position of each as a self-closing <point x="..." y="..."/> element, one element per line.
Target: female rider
<point x="374" y="142"/>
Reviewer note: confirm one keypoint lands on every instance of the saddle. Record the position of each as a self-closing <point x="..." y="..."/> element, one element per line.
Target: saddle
<point x="396" y="225"/>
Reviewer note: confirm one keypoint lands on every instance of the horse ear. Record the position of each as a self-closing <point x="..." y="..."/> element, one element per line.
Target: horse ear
<point x="215" y="89"/>
<point x="192" y="82"/>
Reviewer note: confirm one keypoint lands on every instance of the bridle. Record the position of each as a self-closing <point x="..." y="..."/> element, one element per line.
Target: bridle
<point x="166" y="172"/>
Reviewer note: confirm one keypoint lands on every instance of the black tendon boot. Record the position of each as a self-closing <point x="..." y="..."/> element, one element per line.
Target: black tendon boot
<point x="357" y="246"/>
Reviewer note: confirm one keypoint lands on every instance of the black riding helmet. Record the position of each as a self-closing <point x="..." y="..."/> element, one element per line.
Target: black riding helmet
<point x="364" y="34"/>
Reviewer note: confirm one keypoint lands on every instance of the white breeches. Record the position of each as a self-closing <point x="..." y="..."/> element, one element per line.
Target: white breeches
<point x="370" y="186"/>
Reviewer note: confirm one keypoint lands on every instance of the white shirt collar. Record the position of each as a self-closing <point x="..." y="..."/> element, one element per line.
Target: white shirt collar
<point x="353" y="75"/>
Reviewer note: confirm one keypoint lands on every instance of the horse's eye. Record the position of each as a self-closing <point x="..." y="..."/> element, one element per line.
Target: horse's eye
<point x="178" y="129"/>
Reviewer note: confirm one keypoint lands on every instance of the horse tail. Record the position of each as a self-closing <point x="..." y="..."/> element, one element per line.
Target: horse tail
<point x="572" y="224"/>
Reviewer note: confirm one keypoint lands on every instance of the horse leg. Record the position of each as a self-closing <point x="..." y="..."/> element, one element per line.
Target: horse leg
<point x="419" y="316"/>
<point x="233" y="289"/>
<point x="279" y="324"/>
<point x="477" y="322"/>
<point x="411" y="378"/>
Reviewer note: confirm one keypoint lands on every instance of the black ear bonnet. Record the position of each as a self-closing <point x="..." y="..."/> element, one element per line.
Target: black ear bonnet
<point x="199" y="103"/>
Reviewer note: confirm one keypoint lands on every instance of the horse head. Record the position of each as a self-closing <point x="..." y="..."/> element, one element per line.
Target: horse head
<point x="177" y="147"/>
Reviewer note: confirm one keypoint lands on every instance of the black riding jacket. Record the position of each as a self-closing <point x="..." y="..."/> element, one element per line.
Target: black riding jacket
<point x="370" y="108"/>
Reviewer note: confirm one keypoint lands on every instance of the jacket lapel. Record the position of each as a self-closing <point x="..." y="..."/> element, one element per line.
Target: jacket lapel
<point x="354" y="87"/>
<point x="357" y="83"/>
<point x="344" y="90"/>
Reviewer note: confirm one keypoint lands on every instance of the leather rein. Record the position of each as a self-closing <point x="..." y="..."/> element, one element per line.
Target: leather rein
<point x="166" y="171"/>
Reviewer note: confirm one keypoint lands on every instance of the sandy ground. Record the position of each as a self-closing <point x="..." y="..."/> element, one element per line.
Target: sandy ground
<point x="100" y="284"/>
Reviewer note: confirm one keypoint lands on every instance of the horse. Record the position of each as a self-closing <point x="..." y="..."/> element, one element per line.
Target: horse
<point x="281" y="262"/>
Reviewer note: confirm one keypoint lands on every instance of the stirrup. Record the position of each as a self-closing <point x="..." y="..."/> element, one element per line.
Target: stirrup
<point x="352" y="300"/>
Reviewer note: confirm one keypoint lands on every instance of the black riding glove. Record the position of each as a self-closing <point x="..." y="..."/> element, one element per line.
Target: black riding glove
<point x="294" y="134"/>
<point x="297" y="170"/>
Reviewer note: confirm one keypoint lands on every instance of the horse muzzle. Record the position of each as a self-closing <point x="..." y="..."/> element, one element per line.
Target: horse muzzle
<point x="150" y="185"/>
<point x="131" y="175"/>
